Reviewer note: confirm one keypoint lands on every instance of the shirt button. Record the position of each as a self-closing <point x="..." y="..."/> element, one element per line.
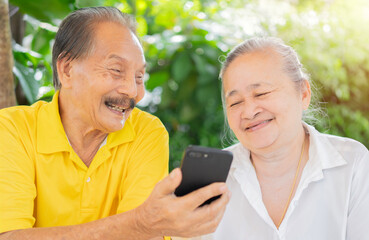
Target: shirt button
<point x="88" y="179"/>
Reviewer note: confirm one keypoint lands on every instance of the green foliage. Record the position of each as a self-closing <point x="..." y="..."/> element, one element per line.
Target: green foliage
<point x="343" y="121"/>
<point x="45" y="10"/>
<point x="184" y="39"/>
<point x="32" y="72"/>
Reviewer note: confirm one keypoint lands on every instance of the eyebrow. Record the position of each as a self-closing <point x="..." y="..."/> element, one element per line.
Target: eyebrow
<point x="125" y="61"/>
<point x="248" y="88"/>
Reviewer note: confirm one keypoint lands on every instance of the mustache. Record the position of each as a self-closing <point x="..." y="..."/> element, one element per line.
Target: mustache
<point x="128" y="103"/>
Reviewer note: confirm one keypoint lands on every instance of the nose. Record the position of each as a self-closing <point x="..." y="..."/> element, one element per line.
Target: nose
<point x="250" y="109"/>
<point x="128" y="86"/>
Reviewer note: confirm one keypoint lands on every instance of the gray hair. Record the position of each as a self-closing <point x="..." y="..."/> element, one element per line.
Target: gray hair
<point x="291" y="65"/>
<point x="74" y="38"/>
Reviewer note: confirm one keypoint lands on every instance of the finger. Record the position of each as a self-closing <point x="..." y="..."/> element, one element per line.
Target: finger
<point x="222" y="201"/>
<point x="217" y="207"/>
<point x="207" y="218"/>
<point x="211" y="224"/>
<point x="210" y="215"/>
<point x="199" y="196"/>
<point x="169" y="183"/>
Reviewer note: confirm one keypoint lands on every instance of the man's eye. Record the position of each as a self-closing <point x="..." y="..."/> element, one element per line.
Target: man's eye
<point x="115" y="70"/>
<point x="261" y="94"/>
<point x="139" y="78"/>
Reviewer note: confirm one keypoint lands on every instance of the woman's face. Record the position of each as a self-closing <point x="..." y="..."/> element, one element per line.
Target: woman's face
<point x="264" y="107"/>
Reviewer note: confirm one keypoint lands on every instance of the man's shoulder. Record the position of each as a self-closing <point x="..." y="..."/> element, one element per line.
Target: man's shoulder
<point x="20" y="114"/>
<point x="144" y="120"/>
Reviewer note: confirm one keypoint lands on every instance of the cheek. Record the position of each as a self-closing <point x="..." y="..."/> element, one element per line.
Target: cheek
<point x="233" y="119"/>
<point x="105" y="75"/>
<point x="288" y="110"/>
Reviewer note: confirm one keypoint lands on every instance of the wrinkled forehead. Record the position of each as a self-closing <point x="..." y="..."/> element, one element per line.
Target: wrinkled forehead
<point x="252" y="71"/>
<point x="111" y="37"/>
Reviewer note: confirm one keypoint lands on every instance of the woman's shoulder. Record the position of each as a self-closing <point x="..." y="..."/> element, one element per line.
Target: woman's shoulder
<point x="348" y="148"/>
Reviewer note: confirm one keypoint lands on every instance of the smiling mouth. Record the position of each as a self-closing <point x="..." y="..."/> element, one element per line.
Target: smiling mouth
<point x="116" y="108"/>
<point x="263" y="122"/>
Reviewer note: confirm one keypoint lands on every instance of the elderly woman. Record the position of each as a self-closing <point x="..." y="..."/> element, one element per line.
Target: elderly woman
<point x="288" y="181"/>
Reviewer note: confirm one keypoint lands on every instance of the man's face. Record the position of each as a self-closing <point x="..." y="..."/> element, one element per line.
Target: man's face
<point x="107" y="83"/>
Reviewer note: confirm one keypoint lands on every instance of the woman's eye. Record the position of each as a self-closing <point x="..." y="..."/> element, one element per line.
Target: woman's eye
<point x="235" y="104"/>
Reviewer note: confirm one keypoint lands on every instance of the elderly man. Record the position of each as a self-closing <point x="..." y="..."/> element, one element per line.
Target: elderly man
<point x="82" y="166"/>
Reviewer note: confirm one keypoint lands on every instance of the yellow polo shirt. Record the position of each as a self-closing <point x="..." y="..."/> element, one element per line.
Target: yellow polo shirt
<point x="44" y="183"/>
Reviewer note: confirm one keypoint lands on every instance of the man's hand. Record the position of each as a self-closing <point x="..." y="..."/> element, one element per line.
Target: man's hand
<point x="164" y="214"/>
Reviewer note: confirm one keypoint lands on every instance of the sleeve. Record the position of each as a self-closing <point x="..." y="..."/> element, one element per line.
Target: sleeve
<point x="358" y="212"/>
<point x="147" y="166"/>
<point x="17" y="180"/>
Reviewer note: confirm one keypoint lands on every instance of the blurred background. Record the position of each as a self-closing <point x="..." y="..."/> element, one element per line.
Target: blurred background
<point x="183" y="43"/>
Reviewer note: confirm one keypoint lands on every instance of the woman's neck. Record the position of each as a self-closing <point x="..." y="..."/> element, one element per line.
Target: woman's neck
<point x="283" y="160"/>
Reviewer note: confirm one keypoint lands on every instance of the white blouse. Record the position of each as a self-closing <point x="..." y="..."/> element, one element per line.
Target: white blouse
<point x="331" y="200"/>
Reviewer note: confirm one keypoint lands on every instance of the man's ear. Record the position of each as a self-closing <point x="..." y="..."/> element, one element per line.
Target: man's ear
<point x="64" y="66"/>
<point x="305" y="94"/>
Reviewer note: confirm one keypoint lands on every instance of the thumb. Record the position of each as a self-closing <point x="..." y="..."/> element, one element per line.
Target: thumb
<point x="170" y="183"/>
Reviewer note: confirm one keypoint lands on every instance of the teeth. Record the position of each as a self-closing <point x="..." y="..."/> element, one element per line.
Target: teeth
<point x="116" y="108"/>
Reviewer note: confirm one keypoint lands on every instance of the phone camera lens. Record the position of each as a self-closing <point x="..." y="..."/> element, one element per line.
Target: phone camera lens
<point x="192" y="154"/>
<point x="195" y="154"/>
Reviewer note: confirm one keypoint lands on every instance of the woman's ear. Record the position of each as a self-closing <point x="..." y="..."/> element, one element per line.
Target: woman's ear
<point x="305" y="94"/>
<point x="64" y="66"/>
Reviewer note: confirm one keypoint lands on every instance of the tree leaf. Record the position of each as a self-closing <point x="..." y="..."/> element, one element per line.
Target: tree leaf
<point x="156" y="79"/>
<point x="182" y="66"/>
<point x="45" y="10"/>
<point x="89" y="3"/>
<point x="26" y="77"/>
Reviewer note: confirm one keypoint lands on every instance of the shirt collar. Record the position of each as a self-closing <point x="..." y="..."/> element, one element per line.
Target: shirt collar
<point x="322" y="154"/>
<point x="126" y="134"/>
<point x="51" y="136"/>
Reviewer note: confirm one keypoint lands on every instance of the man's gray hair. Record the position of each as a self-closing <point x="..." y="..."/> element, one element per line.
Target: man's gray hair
<point x="74" y="38"/>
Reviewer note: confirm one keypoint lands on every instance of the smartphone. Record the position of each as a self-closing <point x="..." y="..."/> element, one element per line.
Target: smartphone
<point x="202" y="166"/>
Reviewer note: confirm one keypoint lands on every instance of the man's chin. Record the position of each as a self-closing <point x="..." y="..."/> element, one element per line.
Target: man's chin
<point x="113" y="126"/>
<point x="116" y="123"/>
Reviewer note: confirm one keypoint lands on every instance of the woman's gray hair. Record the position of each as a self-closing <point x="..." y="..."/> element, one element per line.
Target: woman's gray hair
<point x="291" y="65"/>
<point x="74" y="38"/>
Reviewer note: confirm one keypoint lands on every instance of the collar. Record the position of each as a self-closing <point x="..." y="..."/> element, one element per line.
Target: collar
<point x="322" y="155"/>
<point x="52" y="138"/>
<point x="126" y="134"/>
